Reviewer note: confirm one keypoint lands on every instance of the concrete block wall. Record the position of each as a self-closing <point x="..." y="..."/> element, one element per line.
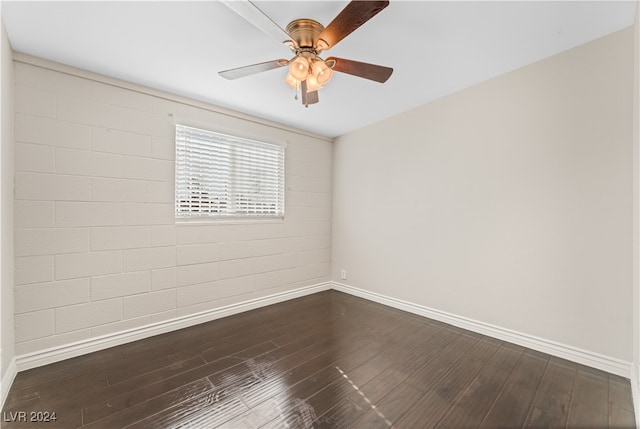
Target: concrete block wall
<point x="96" y="244"/>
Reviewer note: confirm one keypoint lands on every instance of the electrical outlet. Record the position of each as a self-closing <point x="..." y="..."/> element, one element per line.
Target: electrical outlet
<point x="343" y="274"/>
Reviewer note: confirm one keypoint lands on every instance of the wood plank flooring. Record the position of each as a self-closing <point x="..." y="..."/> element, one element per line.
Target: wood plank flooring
<point x="327" y="360"/>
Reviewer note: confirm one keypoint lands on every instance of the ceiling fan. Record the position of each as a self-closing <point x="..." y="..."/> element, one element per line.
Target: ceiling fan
<point x="307" y="39"/>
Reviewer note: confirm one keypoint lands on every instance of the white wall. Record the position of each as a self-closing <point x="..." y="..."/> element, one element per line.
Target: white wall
<point x="6" y="213"/>
<point x="97" y="249"/>
<point x="509" y="203"/>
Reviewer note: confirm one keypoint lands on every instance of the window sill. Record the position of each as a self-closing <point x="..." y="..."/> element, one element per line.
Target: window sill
<point x="226" y="221"/>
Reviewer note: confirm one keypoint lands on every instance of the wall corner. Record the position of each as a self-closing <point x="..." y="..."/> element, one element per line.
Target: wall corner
<point x="635" y="370"/>
<point x="7" y="346"/>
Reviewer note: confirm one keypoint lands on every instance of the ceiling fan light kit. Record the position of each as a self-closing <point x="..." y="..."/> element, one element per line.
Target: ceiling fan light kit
<point x="308" y="72"/>
<point x="308" y="66"/>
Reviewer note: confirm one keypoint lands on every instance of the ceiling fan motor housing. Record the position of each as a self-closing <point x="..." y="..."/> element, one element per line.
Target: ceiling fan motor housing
<point x="305" y="32"/>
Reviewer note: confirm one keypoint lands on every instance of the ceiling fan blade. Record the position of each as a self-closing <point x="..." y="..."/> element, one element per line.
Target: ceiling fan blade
<point x="364" y="70"/>
<point x="311" y="98"/>
<point x="308" y="97"/>
<point x="249" y="11"/>
<point x="252" y="69"/>
<point x="349" y="19"/>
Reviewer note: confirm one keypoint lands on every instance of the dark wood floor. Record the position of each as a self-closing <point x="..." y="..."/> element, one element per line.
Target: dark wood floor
<point x="328" y="360"/>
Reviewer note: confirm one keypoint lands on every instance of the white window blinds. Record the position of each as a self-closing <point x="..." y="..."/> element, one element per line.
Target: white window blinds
<point x="222" y="176"/>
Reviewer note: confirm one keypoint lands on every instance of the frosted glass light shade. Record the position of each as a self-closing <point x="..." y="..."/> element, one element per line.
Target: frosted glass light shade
<point x="312" y="83"/>
<point x="322" y="72"/>
<point x="299" y="68"/>
<point x="291" y="81"/>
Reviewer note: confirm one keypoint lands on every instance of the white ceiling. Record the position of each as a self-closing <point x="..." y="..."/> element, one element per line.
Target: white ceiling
<point x="435" y="48"/>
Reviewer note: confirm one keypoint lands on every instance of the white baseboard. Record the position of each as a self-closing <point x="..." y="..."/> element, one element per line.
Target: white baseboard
<point x="595" y="360"/>
<point x="584" y="357"/>
<point x="7" y="381"/>
<point x="56" y="354"/>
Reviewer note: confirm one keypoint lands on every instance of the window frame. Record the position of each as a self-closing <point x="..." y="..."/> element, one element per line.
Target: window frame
<point x="233" y="141"/>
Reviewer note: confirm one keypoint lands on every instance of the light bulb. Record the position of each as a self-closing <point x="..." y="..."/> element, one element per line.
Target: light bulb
<point x="322" y="72"/>
<point x="291" y="81"/>
<point x="312" y="83"/>
<point x="299" y="68"/>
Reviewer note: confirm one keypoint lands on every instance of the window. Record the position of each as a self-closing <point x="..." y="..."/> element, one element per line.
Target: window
<point x="225" y="177"/>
